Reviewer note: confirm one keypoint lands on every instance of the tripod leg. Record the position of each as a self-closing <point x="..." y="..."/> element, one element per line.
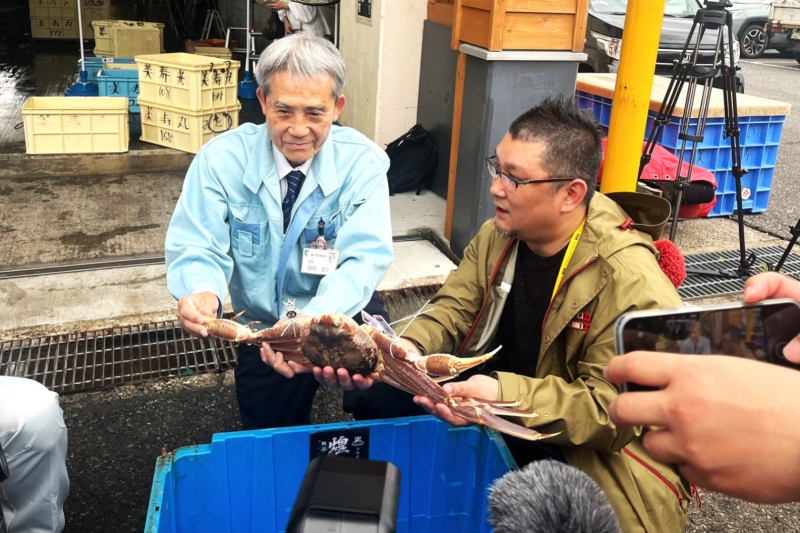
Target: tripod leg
<point x="675" y="211"/>
<point x="220" y="26"/>
<point x="795" y="231"/>
<point x="786" y="253"/>
<point x="207" y="25"/>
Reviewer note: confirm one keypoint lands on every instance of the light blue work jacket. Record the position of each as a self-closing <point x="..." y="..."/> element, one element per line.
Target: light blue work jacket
<point x="226" y="234"/>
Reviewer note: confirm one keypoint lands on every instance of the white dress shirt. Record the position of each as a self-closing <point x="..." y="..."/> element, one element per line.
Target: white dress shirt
<point x="313" y="19"/>
<point x="283" y="167"/>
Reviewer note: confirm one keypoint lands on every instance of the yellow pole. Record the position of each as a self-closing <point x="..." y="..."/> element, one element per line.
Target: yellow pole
<point x="637" y="63"/>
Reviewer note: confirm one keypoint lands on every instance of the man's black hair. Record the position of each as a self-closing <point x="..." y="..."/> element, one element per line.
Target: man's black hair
<point x="572" y="139"/>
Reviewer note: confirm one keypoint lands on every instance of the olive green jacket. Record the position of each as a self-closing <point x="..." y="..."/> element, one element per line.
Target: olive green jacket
<point x="614" y="269"/>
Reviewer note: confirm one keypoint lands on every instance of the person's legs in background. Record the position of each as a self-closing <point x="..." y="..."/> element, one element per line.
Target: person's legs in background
<point x="34" y="440"/>
<point x="266" y="398"/>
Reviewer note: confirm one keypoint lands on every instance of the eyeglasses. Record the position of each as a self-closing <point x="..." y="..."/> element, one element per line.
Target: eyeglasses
<point x="508" y="180"/>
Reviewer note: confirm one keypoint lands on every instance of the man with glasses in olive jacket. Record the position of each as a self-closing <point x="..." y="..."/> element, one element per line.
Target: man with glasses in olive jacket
<point x="547" y="279"/>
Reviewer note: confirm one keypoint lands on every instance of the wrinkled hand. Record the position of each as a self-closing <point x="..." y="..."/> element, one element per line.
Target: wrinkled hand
<point x="731" y="425"/>
<point x="478" y="387"/>
<point x="193" y="308"/>
<point x="774" y="285"/>
<point x="287" y="364"/>
<point x="287" y="26"/>
<point x="277" y="4"/>
<point x="340" y="378"/>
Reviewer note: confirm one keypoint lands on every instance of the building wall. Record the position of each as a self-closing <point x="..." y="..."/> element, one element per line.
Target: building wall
<point x="437" y="82"/>
<point x="383" y="62"/>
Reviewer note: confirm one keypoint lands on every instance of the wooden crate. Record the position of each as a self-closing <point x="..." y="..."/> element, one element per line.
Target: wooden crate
<point x="521" y="24"/>
<point x="441" y="12"/>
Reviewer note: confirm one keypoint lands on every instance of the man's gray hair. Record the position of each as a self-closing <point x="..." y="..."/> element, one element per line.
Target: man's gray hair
<point x="302" y="55"/>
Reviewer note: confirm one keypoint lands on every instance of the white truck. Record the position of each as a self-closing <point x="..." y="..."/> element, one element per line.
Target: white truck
<point x="784" y="17"/>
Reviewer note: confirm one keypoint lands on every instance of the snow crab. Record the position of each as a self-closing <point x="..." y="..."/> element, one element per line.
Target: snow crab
<point x="337" y="340"/>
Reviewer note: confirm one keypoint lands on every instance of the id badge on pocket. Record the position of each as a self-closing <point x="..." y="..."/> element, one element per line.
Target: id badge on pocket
<point x="318" y="259"/>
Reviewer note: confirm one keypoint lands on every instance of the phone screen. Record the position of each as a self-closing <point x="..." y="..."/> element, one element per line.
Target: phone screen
<point x="758" y="331"/>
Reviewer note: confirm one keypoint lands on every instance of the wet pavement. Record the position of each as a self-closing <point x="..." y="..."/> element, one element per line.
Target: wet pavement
<point x="86" y="217"/>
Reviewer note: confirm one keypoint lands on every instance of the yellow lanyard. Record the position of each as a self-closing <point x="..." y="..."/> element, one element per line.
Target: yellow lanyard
<point x="573" y="242"/>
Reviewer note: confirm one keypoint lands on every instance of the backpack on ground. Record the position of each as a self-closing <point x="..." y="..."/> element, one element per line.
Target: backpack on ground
<point x="413" y="160"/>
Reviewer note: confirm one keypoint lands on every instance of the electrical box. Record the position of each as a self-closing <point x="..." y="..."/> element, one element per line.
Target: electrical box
<point x="364" y="9"/>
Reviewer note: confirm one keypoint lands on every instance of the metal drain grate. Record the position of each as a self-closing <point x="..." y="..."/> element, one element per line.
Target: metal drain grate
<point x="700" y="286"/>
<point x="134" y="354"/>
<point x="114" y="356"/>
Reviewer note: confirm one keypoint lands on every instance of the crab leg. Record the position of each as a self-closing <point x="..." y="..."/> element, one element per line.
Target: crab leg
<point x="403" y="376"/>
<point x="286" y="335"/>
<point x="230" y="330"/>
<point x="442" y="366"/>
<point x="479" y="415"/>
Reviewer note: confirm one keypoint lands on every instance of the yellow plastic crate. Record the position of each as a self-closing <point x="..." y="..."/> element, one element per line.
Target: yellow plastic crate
<point x="127" y="38"/>
<point x="188" y="81"/>
<point x="185" y="130"/>
<point x="53" y="9"/>
<point x="95" y="9"/>
<point x="213" y="51"/>
<point x="75" y="125"/>
<point x="54" y="28"/>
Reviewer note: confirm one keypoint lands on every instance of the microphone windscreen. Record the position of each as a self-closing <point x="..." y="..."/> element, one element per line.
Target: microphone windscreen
<point x="549" y="497"/>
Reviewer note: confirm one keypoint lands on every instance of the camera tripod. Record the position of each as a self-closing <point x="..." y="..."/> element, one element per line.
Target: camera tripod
<point x="691" y="73"/>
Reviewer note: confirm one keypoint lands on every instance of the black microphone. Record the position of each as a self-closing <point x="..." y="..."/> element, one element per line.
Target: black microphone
<point x="549" y="497"/>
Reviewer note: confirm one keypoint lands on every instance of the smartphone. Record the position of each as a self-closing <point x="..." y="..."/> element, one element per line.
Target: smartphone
<point x="756" y="331"/>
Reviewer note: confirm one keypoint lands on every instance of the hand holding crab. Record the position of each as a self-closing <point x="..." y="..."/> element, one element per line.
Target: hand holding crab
<point x="336" y="341"/>
<point x="194" y="310"/>
<point x="478" y="387"/>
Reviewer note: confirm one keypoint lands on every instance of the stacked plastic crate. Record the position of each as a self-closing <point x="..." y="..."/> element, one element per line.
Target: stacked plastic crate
<point x="187" y="99"/>
<point x="58" y="19"/>
<point x="117" y="42"/>
<point x="127" y="38"/>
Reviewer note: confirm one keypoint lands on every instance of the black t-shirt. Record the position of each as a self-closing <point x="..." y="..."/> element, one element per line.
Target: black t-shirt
<point x="520" y="333"/>
<point x="520" y="328"/>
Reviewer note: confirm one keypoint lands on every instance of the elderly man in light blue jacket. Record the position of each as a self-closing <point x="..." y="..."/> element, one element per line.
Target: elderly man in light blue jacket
<point x="256" y="197"/>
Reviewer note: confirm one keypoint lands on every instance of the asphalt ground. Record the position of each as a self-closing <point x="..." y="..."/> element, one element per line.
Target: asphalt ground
<point x="778" y="78"/>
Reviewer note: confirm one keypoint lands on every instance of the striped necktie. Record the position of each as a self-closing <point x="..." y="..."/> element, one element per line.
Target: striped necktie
<point x="294" y="181"/>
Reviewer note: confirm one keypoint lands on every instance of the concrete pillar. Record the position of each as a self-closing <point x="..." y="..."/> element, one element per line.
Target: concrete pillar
<point x="437" y="80"/>
<point x="498" y="87"/>
<point x="383" y="61"/>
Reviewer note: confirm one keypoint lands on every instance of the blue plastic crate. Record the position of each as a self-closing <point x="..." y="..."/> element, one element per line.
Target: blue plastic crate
<point x="759" y="139"/>
<point x="120" y="83"/>
<point x="95" y="64"/>
<point x="247" y="481"/>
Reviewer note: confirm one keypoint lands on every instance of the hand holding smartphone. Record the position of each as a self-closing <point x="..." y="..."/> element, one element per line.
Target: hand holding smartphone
<point x="756" y="331"/>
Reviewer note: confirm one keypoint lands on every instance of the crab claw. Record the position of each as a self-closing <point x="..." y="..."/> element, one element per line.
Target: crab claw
<point x="446" y="367"/>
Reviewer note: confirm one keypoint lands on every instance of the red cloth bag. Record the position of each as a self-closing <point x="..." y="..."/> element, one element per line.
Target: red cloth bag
<point x="663" y="166"/>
